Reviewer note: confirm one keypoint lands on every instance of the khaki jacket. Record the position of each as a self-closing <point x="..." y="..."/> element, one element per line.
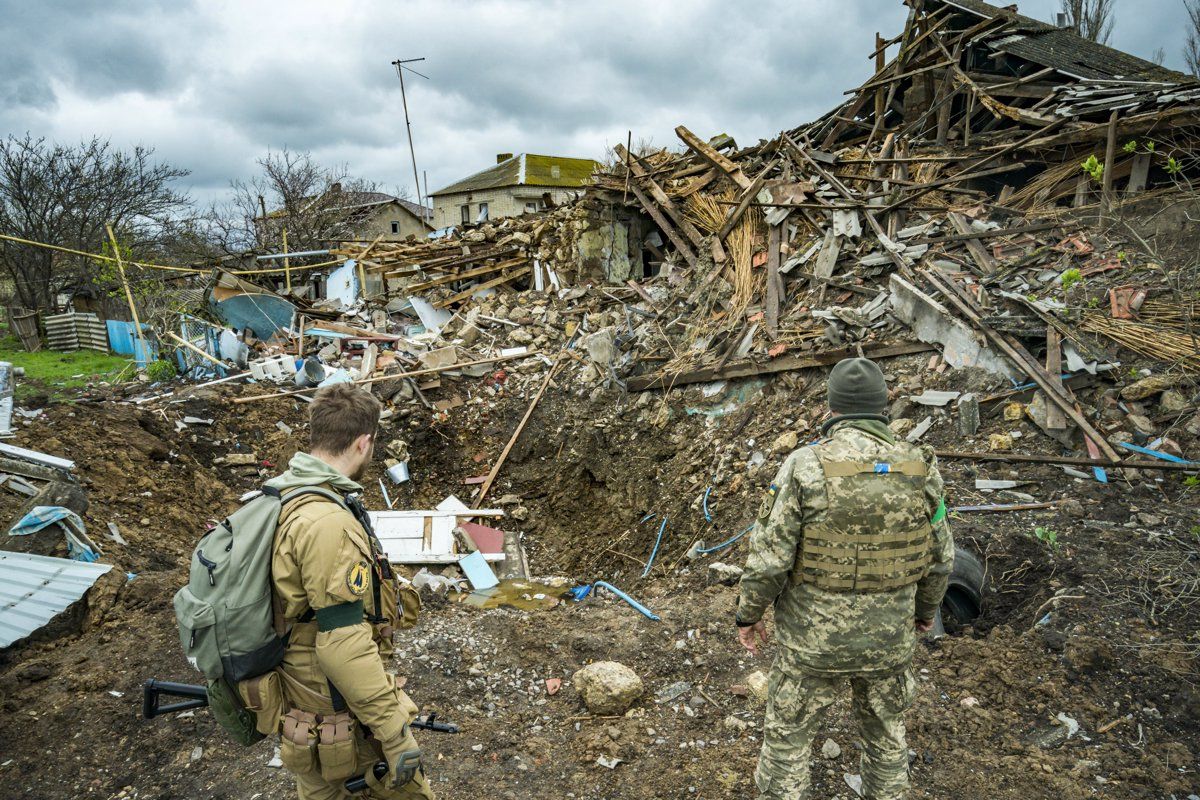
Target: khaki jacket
<point x="324" y="560"/>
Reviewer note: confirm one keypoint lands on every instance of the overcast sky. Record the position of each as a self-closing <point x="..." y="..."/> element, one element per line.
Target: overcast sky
<point x="214" y="85"/>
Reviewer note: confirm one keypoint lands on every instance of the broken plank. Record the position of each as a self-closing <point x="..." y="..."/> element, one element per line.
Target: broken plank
<point x="744" y="202"/>
<point x="12" y="451"/>
<point x="668" y="206"/>
<point x="660" y="219"/>
<point x="495" y="470"/>
<point x="783" y="364"/>
<point x="468" y="293"/>
<point x="471" y="273"/>
<point x="709" y="154"/>
<point x="979" y="254"/>
<point x="1021" y="359"/>
<point x="1020" y="458"/>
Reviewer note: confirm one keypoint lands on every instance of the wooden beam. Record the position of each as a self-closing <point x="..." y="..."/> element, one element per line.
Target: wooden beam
<point x="660" y="219"/>
<point x="468" y="293"/>
<point x="771" y="303"/>
<point x="495" y="470"/>
<point x="979" y="254"/>
<point x="709" y="154"/>
<point x="744" y="202"/>
<point x="664" y="201"/>
<point x="1020" y="358"/>
<point x="781" y="364"/>
<point x="1020" y="458"/>
<point x="471" y="273"/>
<point x="1055" y="419"/>
<point x="1110" y="151"/>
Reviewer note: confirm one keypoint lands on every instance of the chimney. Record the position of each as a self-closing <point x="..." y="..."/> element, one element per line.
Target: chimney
<point x="1061" y="19"/>
<point x="502" y="157"/>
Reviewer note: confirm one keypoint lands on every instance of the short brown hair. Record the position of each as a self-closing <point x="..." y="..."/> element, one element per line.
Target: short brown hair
<point x="339" y="414"/>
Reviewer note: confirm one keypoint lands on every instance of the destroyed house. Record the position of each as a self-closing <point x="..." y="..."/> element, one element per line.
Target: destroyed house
<point x="353" y="215"/>
<point x="520" y="184"/>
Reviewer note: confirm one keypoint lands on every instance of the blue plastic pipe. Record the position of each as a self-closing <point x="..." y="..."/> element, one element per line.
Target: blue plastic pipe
<point x="647" y="613"/>
<point x="661" y="529"/>
<point x="707" y="515"/>
<point x="723" y="545"/>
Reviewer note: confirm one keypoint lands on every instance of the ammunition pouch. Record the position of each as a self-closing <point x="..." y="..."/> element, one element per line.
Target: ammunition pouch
<point x="263" y="696"/>
<point x="337" y="746"/>
<point x="298" y="741"/>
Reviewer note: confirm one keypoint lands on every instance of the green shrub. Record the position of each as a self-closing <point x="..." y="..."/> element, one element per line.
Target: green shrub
<point x="161" y="370"/>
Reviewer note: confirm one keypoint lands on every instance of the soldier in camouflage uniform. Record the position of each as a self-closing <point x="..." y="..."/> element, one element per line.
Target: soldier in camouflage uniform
<point x="852" y="547"/>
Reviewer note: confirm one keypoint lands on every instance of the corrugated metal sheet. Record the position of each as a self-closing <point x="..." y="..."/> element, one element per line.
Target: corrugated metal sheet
<point x="123" y="340"/>
<point x="74" y="331"/>
<point x="35" y="589"/>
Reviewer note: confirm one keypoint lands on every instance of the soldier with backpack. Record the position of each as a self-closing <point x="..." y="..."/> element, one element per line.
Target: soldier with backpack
<point x="290" y="611"/>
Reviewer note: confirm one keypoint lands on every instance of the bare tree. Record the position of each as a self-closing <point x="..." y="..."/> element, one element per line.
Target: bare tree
<point x="312" y="201"/>
<point x="64" y="195"/>
<point x="1159" y="56"/>
<point x="1191" y="49"/>
<point x="1091" y="19"/>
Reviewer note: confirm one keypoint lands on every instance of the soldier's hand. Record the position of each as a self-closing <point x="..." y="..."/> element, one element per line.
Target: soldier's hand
<point x="924" y="625"/>
<point x="752" y="635"/>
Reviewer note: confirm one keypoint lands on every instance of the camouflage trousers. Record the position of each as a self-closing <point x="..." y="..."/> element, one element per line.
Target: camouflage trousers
<point x="795" y="704"/>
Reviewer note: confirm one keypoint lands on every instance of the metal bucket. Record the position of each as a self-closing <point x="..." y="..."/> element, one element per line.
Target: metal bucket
<point x="310" y="374"/>
<point x="398" y="472"/>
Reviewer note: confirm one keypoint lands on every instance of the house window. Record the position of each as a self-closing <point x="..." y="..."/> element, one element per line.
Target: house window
<point x="530" y="207"/>
<point x="483" y="213"/>
<point x="395" y="226"/>
<point x="466" y="213"/>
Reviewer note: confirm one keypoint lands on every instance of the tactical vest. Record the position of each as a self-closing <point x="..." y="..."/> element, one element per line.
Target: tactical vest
<point x="875" y="535"/>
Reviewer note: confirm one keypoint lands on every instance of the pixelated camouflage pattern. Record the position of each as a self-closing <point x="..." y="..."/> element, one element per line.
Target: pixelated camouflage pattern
<point x="827" y="631"/>
<point x="875" y="534"/>
<point x="794" y="708"/>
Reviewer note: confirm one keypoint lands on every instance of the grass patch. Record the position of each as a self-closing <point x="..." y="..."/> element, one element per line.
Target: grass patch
<point x="52" y="373"/>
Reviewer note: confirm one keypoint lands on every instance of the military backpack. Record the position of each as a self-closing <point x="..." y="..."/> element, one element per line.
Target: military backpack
<point x="225" y="614"/>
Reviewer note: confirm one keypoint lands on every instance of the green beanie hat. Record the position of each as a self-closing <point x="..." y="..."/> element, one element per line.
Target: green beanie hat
<point x="856" y="386"/>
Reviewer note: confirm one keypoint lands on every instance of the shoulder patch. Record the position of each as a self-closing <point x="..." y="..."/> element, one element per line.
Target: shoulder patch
<point x="357" y="578"/>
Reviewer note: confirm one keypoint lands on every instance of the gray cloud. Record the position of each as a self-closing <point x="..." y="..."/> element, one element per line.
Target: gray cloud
<point x="213" y="86"/>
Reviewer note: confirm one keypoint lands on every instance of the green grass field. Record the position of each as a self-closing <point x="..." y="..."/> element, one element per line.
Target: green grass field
<point x="52" y="373"/>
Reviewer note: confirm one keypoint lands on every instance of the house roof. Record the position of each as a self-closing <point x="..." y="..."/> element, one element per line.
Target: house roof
<point x="1063" y="49"/>
<point x="356" y="203"/>
<point x="527" y="169"/>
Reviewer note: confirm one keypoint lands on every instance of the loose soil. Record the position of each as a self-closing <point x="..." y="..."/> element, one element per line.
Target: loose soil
<point x="1118" y="654"/>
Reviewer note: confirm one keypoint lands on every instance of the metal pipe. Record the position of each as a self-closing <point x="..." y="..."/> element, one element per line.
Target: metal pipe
<point x="273" y="256"/>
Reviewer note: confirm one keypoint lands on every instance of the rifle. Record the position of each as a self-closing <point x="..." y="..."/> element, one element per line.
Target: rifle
<point x="154" y="690"/>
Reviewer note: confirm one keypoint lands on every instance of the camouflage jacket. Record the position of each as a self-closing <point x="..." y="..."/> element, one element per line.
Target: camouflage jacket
<point x="836" y="631"/>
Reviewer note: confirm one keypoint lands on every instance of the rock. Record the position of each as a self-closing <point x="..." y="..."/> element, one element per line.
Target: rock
<point x="735" y="723"/>
<point x="725" y="574"/>
<point x="756" y="683"/>
<point x="520" y="336"/>
<point x="608" y="688"/>
<point x="968" y="702"/>
<point x="968" y="415"/>
<point x="1140" y="424"/>
<point x="786" y="442"/>
<point x="901" y="427"/>
<point x="1000" y="442"/>
<point x="1193" y="425"/>
<point x="1086" y="654"/>
<point x="197" y="753"/>
<point x="1072" y="508"/>
<point x="1147" y="387"/>
<point x="1172" y="402"/>
<point x="831" y="749"/>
